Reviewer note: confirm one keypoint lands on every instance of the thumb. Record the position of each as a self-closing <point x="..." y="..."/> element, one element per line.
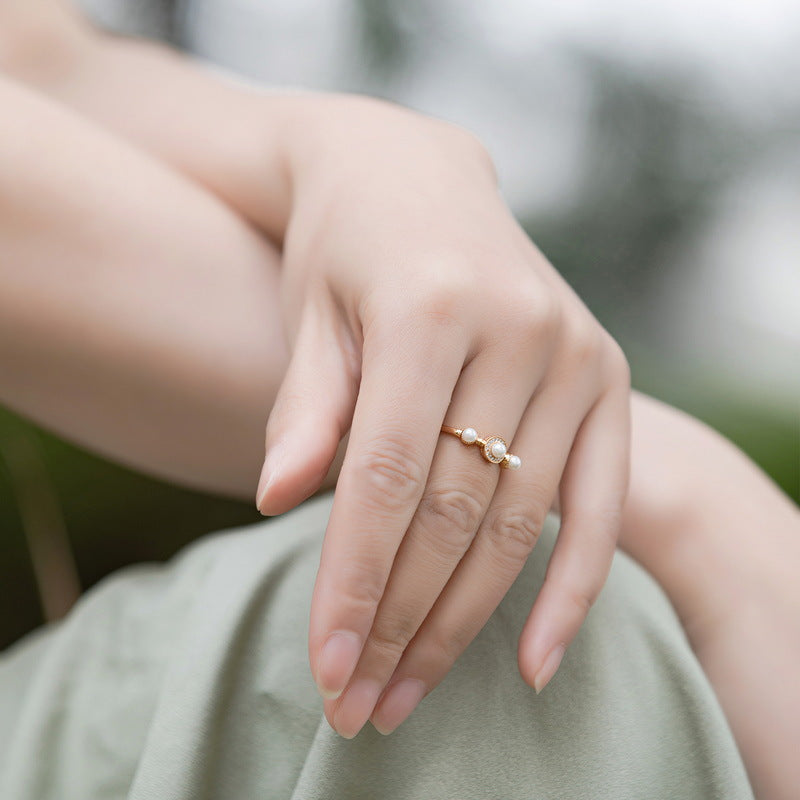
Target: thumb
<point x="312" y="411"/>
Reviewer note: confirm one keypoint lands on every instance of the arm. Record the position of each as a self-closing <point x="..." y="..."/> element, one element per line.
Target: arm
<point x="221" y="135"/>
<point x="391" y="223"/>
<point x="196" y="378"/>
<point x="724" y="543"/>
<point x="673" y="538"/>
<point x="119" y="281"/>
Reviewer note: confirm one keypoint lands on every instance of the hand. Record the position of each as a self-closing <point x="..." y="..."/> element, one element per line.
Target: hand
<point x="413" y="299"/>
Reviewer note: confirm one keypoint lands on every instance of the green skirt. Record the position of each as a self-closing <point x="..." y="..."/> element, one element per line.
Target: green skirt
<point x="191" y="680"/>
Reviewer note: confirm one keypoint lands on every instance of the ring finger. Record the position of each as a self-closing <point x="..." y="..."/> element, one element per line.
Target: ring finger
<point x="498" y="552"/>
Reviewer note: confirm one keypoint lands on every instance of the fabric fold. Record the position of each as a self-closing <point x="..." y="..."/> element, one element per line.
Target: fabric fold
<point x="190" y="680"/>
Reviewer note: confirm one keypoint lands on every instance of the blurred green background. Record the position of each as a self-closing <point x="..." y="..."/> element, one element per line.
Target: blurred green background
<point x="659" y="163"/>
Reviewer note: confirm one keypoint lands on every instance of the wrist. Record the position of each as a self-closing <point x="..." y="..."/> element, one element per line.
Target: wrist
<point x="330" y="140"/>
<point x="705" y="521"/>
<point x="40" y="42"/>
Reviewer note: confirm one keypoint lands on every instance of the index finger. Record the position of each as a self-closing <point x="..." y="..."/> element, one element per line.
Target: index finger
<point x="409" y="370"/>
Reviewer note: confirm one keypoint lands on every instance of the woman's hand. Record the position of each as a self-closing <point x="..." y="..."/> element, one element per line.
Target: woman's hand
<point x="412" y="299"/>
<point x="695" y="502"/>
<point x="407" y="285"/>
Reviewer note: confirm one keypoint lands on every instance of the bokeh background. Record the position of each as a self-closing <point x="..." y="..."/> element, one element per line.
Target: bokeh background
<point x="652" y="150"/>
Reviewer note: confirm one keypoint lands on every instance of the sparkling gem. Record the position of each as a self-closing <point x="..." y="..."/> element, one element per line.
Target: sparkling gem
<point x="494" y="449"/>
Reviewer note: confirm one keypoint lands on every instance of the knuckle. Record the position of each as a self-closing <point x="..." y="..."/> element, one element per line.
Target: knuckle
<point x="446" y="645"/>
<point x="538" y="316"/>
<point x="362" y="588"/>
<point x="463" y="142"/>
<point x="474" y="144"/>
<point x="619" y="369"/>
<point x="581" y="598"/>
<point x="437" y="299"/>
<point x="443" y="301"/>
<point x="584" y="348"/>
<point x="454" y="515"/>
<point x="483" y="155"/>
<point x="392" y="471"/>
<point x="513" y="533"/>
<point x="391" y="640"/>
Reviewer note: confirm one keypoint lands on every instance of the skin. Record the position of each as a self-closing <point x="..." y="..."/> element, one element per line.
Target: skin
<point x="668" y="535"/>
<point x="407" y="288"/>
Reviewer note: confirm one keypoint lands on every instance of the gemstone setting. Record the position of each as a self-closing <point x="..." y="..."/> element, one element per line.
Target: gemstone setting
<point x="495" y="449"/>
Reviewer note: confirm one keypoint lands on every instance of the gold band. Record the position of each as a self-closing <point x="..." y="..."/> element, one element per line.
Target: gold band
<point x="493" y="448"/>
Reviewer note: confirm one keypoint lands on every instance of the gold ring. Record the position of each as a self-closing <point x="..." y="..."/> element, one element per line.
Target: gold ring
<point x="493" y="448"/>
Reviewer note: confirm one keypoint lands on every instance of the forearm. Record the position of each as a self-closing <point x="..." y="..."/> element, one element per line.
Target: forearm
<point x="724" y="543"/>
<point x="685" y="476"/>
<point x="223" y="136"/>
<point x="135" y="310"/>
<point x="249" y="146"/>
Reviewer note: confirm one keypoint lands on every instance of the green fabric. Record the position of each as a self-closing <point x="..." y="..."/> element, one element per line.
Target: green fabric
<point x="190" y="680"/>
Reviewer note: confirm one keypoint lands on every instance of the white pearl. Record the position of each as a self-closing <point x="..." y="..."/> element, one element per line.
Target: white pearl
<point x="469" y="435"/>
<point x="498" y="449"/>
<point x="514" y="462"/>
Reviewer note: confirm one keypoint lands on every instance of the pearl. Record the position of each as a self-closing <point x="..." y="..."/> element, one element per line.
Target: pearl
<point x="498" y="449"/>
<point x="514" y="462"/>
<point x="469" y="435"/>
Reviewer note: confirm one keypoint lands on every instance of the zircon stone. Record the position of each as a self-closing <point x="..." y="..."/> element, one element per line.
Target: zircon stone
<point x="469" y="435"/>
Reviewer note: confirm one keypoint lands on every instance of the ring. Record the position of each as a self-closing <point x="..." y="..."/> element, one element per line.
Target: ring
<point x="493" y="448"/>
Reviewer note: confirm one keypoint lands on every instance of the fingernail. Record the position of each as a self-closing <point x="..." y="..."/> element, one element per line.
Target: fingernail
<point x="397" y="704"/>
<point x="270" y="469"/>
<point x="548" y="668"/>
<point x="337" y="661"/>
<point x="263" y="484"/>
<point x="356" y="706"/>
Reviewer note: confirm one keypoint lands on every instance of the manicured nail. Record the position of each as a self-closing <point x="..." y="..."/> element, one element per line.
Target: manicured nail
<point x="269" y="471"/>
<point x="263" y="484"/>
<point x="401" y="699"/>
<point x="337" y="661"/>
<point x="548" y="668"/>
<point x="356" y="706"/>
